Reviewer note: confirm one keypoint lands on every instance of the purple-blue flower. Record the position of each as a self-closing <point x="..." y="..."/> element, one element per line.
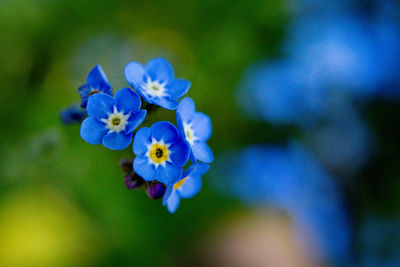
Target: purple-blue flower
<point x="111" y="120"/>
<point x="156" y="83"/>
<point x="160" y="153"/>
<point x="196" y="128"/>
<point x="96" y="83"/>
<point x="187" y="187"/>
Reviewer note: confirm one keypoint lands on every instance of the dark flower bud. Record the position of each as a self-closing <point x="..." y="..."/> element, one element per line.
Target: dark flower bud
<point x="72" y="114"/>
<point x="156" y="190"/>
<point x="133" y="181"/>
<point x="126" y="165"/>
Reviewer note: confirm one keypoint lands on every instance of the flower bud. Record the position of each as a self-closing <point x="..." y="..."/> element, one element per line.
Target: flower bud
<point x="133" y="181"/>
<point x="156" y="190"/>
<point x="126" y="165"/>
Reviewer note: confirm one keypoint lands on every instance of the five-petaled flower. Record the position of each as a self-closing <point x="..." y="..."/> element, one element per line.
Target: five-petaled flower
<point x="111" y="120"/>
<point x="188" y="186"/>
<point x="160" y="153"/>
<point x="196" y="128"/>
<point x="156" y="83"/>
<point x="96" y="83"/>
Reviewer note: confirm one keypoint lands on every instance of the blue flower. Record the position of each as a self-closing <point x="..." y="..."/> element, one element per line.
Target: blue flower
<point x="156" y="83"/>
<point x="281" y="92"/>
<point x="187" y="187"/>
<point x="72" y="114"/>
<point x="196" y="128"/>
<point x="294" y="181"/>
<point x="160" y="153"/>
<point x="111" y="120"/>
<point x="96" y="83"/>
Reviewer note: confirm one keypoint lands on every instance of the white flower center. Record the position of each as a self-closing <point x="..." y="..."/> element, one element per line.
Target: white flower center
<point x="116" y="121"/>
<point x="158" y="153"/>
<point x="189" y="133"/>
<point x="155" y="88"/>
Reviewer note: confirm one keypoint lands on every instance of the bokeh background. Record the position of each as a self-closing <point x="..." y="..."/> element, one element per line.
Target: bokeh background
<point x="304" y="99"/>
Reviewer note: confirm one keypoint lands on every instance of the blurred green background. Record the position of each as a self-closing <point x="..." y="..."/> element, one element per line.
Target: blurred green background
<point x="62" y="201"/>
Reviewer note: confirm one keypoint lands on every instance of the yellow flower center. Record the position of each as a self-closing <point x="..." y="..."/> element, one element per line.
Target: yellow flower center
<point x="179" y="183"/>
<point x="116" y="121"/>
<point x="159" y="153"/>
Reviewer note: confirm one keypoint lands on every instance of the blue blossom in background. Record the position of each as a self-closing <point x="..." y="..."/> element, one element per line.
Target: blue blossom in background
<point x="156" y="83"/>
<point x="291" y="179"/>
<point x="187" y="187"/>
<point x="281" y="92"/>
<point x="196" y="128"/>
<point x="340" y="50"/>
<point x="160" y="153"/>
<point x="111" y="120"/>
<point x="342" y="138"/>
<point x="96" y="83"/>
<point x="72" y="114"/>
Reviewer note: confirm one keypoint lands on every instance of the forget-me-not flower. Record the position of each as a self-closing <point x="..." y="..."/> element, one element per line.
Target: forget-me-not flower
<point x="187" y="187"/>
<point x="160" y="153"/>
<point x="96" y="83"/>
<point x="111" y="120"/>
<point x="156" y="83"/>
<point x="196" y="128"/>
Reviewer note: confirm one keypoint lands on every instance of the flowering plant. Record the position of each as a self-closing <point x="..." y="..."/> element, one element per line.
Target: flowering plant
<point x="163" y="150"/>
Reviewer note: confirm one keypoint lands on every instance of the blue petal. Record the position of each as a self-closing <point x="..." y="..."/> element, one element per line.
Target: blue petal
<point x="143" y="168"/>
<point x="117" y="141"/>
<point x="165" y="102"/>
<point x="167" y="194"/>
<point x="164" y="130"/>
<point x="97" y="79"/>
<point x="199" y="169"/>
<point x="202" y="152"/>
<point x="186" y="109"/>
<point x="135" y="74"/>
<point x="99" y="105"/>
<point x="190" y="187"/>
<point x="141" y="141"/>
<point x="128" y="101"/>
<point x="173" y="202"/>
<point x="135" y="120"/>
<point x="180" y="152"/>
<point x="160" y="70"/>
<point x="201" y="125"/>
<point x="168" y="174"/>
<point x="178" y="88"/>
<point x="93" y="131"/>
<point x="84" y="91"/>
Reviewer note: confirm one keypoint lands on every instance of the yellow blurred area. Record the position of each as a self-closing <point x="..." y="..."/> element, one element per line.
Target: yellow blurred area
<point x="41" y="228"/>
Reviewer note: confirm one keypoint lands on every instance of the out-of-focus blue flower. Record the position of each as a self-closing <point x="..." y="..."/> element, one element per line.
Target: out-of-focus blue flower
<point x="343" y="137"/>
<point x="111" y="120"/>
<point x="160" y="153"/>
<point x="379" y="243"/>
<point x="340" y="50"/>
<point x="187" y="187"/>
<point x="291" y="179"/>
<point x="196" y="128"/>
<point x="96" y="83"/>
<point x="156" y="83"/>
<point x="281" y="92"/>
<point x="72" y="114"/>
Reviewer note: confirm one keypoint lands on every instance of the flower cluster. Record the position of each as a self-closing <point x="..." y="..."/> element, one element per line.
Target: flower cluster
<point x="162" y="150"/>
